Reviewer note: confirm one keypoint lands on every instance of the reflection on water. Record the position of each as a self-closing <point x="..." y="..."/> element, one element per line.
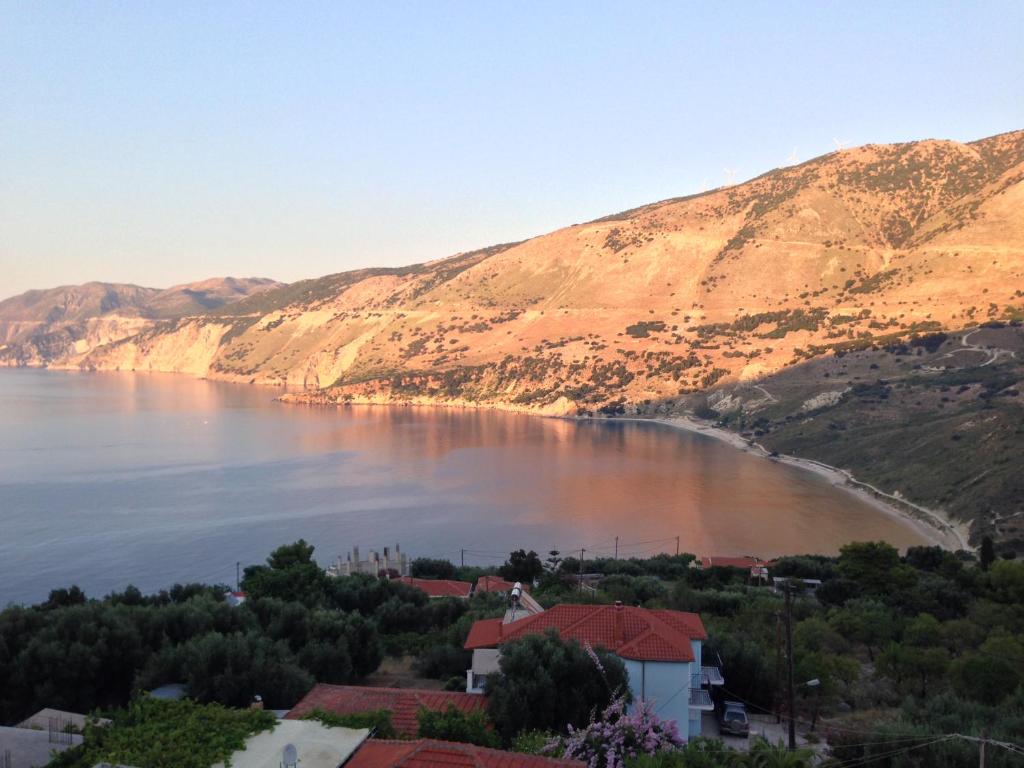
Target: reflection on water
<point x="107" y="479"/>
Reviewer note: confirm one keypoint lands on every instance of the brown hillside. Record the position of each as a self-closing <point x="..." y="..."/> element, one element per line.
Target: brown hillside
<point x="60" y="325"/>
<point x="661" y="301"/>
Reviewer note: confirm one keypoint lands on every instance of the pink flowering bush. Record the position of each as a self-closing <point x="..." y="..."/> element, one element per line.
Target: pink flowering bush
<point x="617" y="735"/>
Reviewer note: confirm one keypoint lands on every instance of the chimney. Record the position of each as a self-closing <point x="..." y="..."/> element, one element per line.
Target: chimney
<point x="617" y="632"/>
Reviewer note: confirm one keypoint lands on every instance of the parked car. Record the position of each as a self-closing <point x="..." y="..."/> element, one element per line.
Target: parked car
<point x="732" y="719"/>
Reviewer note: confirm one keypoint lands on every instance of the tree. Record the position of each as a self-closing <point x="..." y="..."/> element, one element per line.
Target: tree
<point x="522" y="566"/>
<point x="61" y="598"/>
<point x="865" y="621"/>
<point x="834" y="674"/>
<point x="987" y="553"/>
<point x="290" y="574"/>
<point x="554" y="560"/>
<point x="993" y="672"/>
<point x="452" y="724"/>
<point x="429" y="568"/>
<point x="231" y="669"/>
<point x="290" y="555"/>
<point x="547" y="684"/>
<point x="1007" y="577"/>
<point x="902" y="662"/>
<point x="870" y="564"/>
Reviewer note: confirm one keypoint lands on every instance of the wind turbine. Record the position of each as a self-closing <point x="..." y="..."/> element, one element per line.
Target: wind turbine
<point x="792" y="159"/>
<point x="840" y="145"/>
<point x="730" y="176"/>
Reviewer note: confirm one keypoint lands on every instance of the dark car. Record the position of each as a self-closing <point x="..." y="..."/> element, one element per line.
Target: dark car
<point x="732" y="719"/>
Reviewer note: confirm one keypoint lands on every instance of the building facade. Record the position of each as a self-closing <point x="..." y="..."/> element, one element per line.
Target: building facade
<point x="662" y="651"/>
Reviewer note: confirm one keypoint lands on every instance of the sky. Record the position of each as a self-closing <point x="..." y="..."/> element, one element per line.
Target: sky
<point x="163" y="142"/>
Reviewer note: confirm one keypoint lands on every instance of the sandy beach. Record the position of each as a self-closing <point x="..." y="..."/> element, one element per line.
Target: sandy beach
<point x="934" y="525"/>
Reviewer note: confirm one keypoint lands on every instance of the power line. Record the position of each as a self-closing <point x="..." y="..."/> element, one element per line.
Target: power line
<point x="861" y="761"/>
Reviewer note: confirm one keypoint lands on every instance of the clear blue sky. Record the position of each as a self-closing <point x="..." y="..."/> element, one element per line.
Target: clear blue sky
<point x="161" y="142"/>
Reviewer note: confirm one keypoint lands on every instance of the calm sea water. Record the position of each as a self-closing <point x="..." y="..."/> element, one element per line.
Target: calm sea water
<point x="110" y="479"/>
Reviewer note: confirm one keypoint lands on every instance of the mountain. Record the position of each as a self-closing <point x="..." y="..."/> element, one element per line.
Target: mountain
<point x="59" y="325"/>
<point x="842" y="251"/>
<point x="787" y="307"/>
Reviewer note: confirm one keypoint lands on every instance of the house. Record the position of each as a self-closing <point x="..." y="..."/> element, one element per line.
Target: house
<point x="429" y="753"/>
<point x="439" y="587"/>
<point x="32" y="748"/>
<point x="403" y="703"/>
<point x="521" y="602"/>
<point x="489" y="583"/>
<point x="758" y="568"/>
<point x="234" y="599"/>
<point x="660" y="649"/>
<point x="310" y="743"/>
<point x="48" y="719"/>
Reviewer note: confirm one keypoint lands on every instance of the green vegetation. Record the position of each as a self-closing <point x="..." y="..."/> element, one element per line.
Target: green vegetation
<point x="297" y="626"/>
<point x="643" y="329"/>
<point x="904" y="647"/>
<point x="167" y="734"/>
<point x="377" y="720"/>
<point x="925" y="416"/>
<point x="546" y="684"/>
<point x="452" y="724"/>
<point x="710" y="753"/>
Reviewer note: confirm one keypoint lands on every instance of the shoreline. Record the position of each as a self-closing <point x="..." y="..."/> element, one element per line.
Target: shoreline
<point x="934" y="525"/>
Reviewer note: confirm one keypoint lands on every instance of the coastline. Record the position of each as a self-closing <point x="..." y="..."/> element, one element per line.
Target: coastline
<point x="933" y="524"/>
<point x="936" y="527"/>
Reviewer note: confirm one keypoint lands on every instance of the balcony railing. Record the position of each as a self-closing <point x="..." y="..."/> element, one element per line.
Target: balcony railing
<point x="712" y="676"/>
<point x="700" y="699"/>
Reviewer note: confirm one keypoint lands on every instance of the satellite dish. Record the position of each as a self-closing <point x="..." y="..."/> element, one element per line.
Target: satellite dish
<point x="291" y="756"/>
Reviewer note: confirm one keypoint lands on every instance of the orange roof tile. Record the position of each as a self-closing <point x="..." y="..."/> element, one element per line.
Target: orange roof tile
<point x="438" y="587"/>
<point x="428" y="753"/>
<point x="403" y="703"/>
<point x="632" y="633"/>
<point x="496" y="584"/>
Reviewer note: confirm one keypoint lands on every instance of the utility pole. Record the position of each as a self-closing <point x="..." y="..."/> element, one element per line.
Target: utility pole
<point x="238" y="576"/>
<point x="616" y="547"/>
<point x="789" y="661"/>
<point x="677" y="546"/>
<point x="981" y="749"/>
<point x="581" y="569"/>
<point x="778" y="667"/>
<point x="463" y="558"/>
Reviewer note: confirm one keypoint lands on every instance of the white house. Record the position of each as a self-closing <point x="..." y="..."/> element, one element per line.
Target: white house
<point x="662" y="652"/>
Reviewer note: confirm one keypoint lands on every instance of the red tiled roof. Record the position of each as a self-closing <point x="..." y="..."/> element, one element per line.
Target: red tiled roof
<point x="632" y="633"/>
<point x="486" y="633"/>
<point x="438" y="587"/>
<point x="496" y="584"/>
<point x="403" y="703"/>
<point x="746" y="561"/>
<point x="428" y="753"/>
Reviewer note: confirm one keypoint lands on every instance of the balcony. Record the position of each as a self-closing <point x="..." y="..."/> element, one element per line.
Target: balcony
<point x="711" y="676"/>
<point x="700" y="699"/>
